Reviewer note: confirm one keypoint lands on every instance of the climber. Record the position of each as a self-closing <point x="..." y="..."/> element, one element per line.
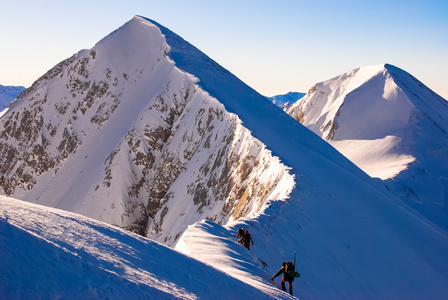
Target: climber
<point x="239" y="235"/>
<point x="246" y="239"/>
<point x="288" y="271"/>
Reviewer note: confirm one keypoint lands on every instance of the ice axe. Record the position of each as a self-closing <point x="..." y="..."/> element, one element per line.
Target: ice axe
<point x="294" y="260"/>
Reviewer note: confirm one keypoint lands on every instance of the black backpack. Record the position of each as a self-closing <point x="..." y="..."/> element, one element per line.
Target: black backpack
<point x="290" y="270"/>
<point x="246" y="238"/>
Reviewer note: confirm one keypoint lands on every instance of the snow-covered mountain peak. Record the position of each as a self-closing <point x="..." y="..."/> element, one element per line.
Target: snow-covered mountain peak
<point x="367" y="104"/>
<point x="140" y="43"/>
<point x="128" y="133"/>
<point x="389" y="124"/>
<point x="352" y="79"/>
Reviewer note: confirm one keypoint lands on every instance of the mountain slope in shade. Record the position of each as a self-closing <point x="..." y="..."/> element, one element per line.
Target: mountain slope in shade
<point x="8" y="94"/>
<point x="390" y="125"/>
<point x="48" y="253"/>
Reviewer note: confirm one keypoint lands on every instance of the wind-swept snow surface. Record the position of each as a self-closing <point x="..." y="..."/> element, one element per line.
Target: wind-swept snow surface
<point x="51" y="254"/>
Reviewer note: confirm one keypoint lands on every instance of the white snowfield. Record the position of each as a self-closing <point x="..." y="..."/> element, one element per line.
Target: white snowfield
<point x="352" y="237"/>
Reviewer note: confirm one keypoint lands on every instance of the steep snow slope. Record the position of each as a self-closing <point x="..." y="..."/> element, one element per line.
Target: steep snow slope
<point x="8" y="94"/>
<point x="351" y="244"/>
<point x="48" y="253"/>
<point x="390" y="125"/>
<point x="121" y="134"/>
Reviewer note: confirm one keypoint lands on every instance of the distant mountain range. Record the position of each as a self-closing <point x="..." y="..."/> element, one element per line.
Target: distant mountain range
<point x="8" y="94"/>
<point x="286" y="100"/>
<point x="147" y="133"/>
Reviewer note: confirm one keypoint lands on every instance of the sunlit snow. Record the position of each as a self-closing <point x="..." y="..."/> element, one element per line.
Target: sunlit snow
<point x="52" y="254"/>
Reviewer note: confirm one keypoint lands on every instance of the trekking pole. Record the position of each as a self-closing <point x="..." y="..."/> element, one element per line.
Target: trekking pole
<point x="294" y="260"/>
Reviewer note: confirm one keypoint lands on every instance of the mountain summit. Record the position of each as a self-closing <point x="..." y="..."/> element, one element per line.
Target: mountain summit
<point x="126" y="134"/>
<point x="389" y="124"/>
<point x="146" y="132"/>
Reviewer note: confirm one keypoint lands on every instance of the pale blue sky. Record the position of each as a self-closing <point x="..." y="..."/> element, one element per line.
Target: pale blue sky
<point x="273" y="46"/>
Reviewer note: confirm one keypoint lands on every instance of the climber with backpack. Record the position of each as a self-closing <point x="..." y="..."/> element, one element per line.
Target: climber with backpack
<point x="289" y="273"/>
<point x="246" y="239"/>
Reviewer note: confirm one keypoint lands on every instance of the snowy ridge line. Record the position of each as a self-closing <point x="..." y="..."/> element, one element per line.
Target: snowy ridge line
<point x="215" y="245"/>
<point x="266" y="122"/>
<point x="53" y="253"/>
<point x="252" y="108"/>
